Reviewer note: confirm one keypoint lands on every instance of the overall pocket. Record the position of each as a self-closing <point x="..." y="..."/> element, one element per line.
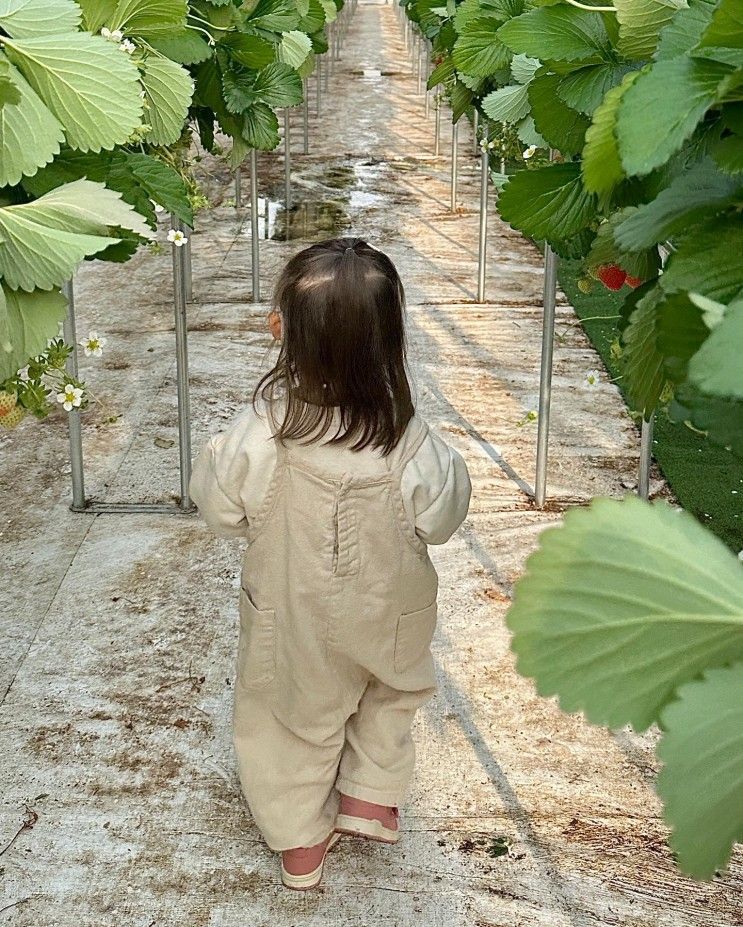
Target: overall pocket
<point x="415" y="632"/>
<point x="256" y="656"/>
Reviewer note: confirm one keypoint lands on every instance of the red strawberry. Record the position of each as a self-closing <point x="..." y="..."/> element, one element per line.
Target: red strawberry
<point x="7" y="402"/>
<point x="611" y="276"/>
<point x="634" y="282"/>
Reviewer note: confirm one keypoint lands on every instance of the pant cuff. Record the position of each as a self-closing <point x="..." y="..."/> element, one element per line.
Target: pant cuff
<point x="391" y="797"/>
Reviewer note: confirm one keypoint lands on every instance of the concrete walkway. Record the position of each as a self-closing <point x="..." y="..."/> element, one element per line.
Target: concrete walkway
<point x="119" y="632"/>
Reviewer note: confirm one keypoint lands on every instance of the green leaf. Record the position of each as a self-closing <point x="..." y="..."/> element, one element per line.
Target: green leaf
<point x="557" y="33"/>
<point x="261" y="127"/>
<point x="548" y="203"/>
<point x="460" y="99"/>
<point x="715" y="368"/>
<point x="702" y="260"/>
<point x="149" y="18"/>
<point x="168" y="91"/>
<point x="509" y="104"/>
<point x="623" y="604"/>
<point x="701" y="782"/>
<point x="643" y="360"/>
<point x="720" y="417"/>
<point x="662" y="108"/>
<point x="249" y="50"/>
<point x="561" y="126"/>
<point x="523" y="68"/>
<point x="27" y="322"/>
<point x="237" y="85"/>
<point x="29" y="19"/>
<point x="642" y="264"/>
<point x="700" y="190"/>
<point x="728" y="154"/>
<point x="97" y="13"/>
<point x="275" y="15"/>
<point x="183" y="45"/>
<point x="10" y="95"/>
<point x="295" y="48"/>
<point x="585" y="88"/>
<point x="681" y="331"/>
<point x="602" y="167"/>
<point x="101" y="107"/>
<point x="441" y="73"/>
<point x="527" y="133"/>
<point x="162" y="183"/>
<point x="329" y="8"/>
<point x="477" y="52"/>
<point x="29" y="135"/>
<point x="640" y="23"/>
<point x="685" y="29"/>
<point x="726" y="28"/>
<point x="42" y="243"/>
<point x="314" y="19"/>
<point x="278" y="86"/>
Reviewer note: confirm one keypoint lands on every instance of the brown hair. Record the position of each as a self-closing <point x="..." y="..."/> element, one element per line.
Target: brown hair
<point x="343" y="347"/>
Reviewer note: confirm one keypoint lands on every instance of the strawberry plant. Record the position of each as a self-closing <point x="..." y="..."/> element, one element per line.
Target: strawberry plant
<point x="633" y="613"/>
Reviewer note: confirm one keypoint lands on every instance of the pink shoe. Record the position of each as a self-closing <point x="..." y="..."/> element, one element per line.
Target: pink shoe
<point x="365" y="819"/>
<point x="301" y="868"/>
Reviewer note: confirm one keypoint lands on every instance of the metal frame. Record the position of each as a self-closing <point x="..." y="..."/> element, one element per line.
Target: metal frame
<point x="287" y="161"/>
<point x="454" y="164"/>
<point x="545" y="374"/>
<point x="483" y="240"/>
<point x="646" y="454"/>
<point x="255" y="266"/>
<point x="181" y="274"/>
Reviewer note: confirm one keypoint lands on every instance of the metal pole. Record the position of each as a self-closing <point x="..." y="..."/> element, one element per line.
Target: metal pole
<point x="545" y="374"/>
<point x="318" y="75"/>
<point x="238" y="188"/>
<point x="187" y="270"/>
<point x="287" y="162"/>
<point x="181" y="354"/>
<point x="475" y="127"/>
<point x="420" y="65"/>
<point x="437" y="129"/>
<point x="326" y="72"/>
<point x="254" y="233"/>
<point x="73" y="417"/>
<point x="454" y="164"/>
<point x="484" y="184"/>
<point x="306" y="118"/>
<point x="646" y="453"/>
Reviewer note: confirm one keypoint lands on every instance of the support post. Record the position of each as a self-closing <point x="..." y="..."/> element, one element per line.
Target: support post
<point x="181" y="355"/>
<point x="238" y="188"/>
<point x="545" y="374"/>
<point x="646" y="453"/>
<point x="287" y="162"/>
<point x="483" y="243"/>
<point x="437" y="128"/>
<point x="306" y="118"/>
<point x="187" y="269"/>
<point x="454" y="164"/>
<point x="73" y="417"/>
<point x="318" y="75"/>
<point x="254" y="232"/>
<point x="475" y="127"/>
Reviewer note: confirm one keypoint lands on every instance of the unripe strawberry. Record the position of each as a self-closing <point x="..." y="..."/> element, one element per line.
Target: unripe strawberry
<point x="7" y="402"/>
<point x="634" y="282"/>
<point x="13" y="418"/>
<point x="585" y="284"/>
<point x="612" y="276"/>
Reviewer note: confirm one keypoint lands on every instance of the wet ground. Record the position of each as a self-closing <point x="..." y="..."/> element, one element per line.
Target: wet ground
<point x="119" y="631"/>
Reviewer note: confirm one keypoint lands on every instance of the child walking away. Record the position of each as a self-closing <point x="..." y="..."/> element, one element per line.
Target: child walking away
<point x="339" y="486"/>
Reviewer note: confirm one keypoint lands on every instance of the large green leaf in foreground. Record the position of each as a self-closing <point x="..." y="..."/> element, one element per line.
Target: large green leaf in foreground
<point x="621" y="605"/>
<point x="27" y="322"/>
<point x="701" y="783"/>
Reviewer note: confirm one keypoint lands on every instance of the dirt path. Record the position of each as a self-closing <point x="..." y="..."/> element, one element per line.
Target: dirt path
<point x="120" y="631"/>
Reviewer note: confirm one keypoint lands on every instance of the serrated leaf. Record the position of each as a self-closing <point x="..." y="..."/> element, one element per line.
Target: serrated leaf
<point x="27" y="322"/>
<point x="702" y="261"/>
<point x="237" y="86"/>
<point x="102" y="107"/>
<point x="662" y="108"/>
<point x="10" y="95"/>
<point x="460" y="99"/>
<point x="623" y="604"/>
<point x="584" y="89"/>
<point x="527" y="133"/>
<point x="728" y="154"/>
<point x="685" y="29"/>
<point x="602" y="167"/>
<point x="643" y="361"/>
<point x="715" y="368"/>
<point x="275" y="15"/>
<point x="185" y="46"/>
<point x="25" y="120"/>
<point x="563" y="128"/>
<point x="720" y="417"/>
<point x="557" y="33"/>
<point x="261" y="127"/>
<point x="294" y="48"/>
<point x="726" y="27"/>
<point x="314" y="19"/>
<point x="477" y="52"/>
<point x="441" y="73"/>
<point x="509" y="104"/>
<point x="162" y="183"/>
<point x="329" y="8"/>
<point x="640" y="23"/>
<point x="41" y="243"/>
<point x="149" y="18"/>
<point x="523" y="68"/>
<point x="548" y="203"/>
<point x="701" y="782"/>
<point x="681" y="330"/>
<point x="278" y="86"/>
<point x="29" y="19"/>
<point x="252" y="51"/>
<point x="688" y="198"/>
<point x="97" y="13"/>
<point x="168" y="91"/>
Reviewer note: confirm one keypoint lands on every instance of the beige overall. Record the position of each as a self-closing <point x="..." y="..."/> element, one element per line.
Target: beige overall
<point x="337" y="613"/>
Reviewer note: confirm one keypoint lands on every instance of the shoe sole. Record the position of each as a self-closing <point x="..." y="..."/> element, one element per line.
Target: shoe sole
<point x="370" y="829"/>
<point x="309" y="880"/>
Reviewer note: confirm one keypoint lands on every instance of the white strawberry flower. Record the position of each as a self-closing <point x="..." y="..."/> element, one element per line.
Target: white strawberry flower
<point x="592" y="378"/>
<point x="529" y="152"/>
<point x="127" y="46"/>
<point x="113" y="35"/>
<point x="177" y="238"/>
<point x="486" y="145"/>
<point x="93" y="344"/>
<point x="71" y="397"/>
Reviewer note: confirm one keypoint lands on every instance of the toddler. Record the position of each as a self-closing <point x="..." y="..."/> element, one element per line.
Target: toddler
<point x="339" y="486"/>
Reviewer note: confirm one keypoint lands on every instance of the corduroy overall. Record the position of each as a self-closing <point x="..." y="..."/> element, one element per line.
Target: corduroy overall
<point x="337" y="613"/>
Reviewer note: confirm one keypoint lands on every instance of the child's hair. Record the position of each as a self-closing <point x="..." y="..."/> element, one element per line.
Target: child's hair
<point x="343" y="345"/>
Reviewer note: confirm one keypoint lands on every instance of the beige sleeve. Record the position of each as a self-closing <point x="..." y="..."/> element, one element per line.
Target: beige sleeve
<point x="231" y="474"/>
<point x="436" y="490"/>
